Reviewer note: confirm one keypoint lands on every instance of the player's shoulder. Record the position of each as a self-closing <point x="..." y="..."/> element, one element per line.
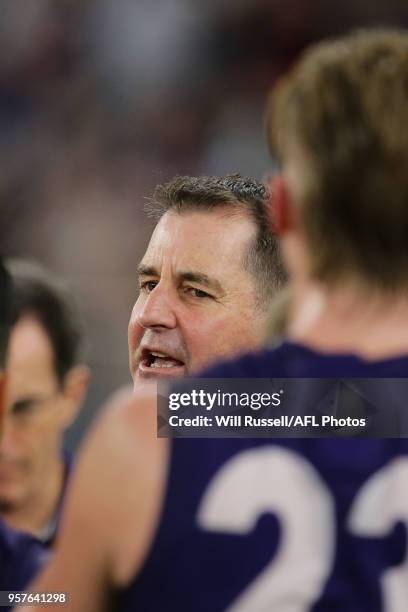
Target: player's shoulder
<point x="131" y="411"/>
<point x="112" y="464"/>
<point x="256" y="365"/>
<point x="126" y="427"/>
<point x="292" y="360"/>
<point x="123" y="443"/>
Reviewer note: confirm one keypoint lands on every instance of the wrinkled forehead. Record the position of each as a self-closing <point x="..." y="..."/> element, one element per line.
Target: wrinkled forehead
<point x="216" y="239"/>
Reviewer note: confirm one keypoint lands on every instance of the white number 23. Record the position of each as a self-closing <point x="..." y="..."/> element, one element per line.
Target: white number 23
<point x="278" y="480"/>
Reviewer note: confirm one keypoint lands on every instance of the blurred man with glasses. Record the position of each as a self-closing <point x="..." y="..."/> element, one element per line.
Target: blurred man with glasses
<point x="20" y="555"/>
<point x="45" y="390"/>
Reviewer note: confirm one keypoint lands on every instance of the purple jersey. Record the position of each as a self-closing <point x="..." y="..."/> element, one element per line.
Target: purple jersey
<point x="264" y="525"/>
<point x="21" y="556"/>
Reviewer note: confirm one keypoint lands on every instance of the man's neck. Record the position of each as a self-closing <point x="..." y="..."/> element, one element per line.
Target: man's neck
<point x="348" y="319"/>
<point x="38" y="511"/>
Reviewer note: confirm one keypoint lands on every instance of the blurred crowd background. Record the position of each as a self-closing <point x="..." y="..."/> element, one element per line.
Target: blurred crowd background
<point x="100" y="100"/>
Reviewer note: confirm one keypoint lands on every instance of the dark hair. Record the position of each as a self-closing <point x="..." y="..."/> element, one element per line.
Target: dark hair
<point x="5" y="311"/>
<point x="342" y="114"/>
<point x="38" y="293"/>
<point x="207" y="193"/>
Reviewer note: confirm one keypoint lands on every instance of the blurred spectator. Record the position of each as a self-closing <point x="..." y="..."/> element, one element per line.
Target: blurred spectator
<point x="46" y="386"/>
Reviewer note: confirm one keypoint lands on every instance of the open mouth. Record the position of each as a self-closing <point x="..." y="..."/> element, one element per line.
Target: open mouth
<point x="155" y="360"/>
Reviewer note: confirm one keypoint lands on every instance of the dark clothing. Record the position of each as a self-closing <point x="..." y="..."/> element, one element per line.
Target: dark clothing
<point x="250" y="525"/>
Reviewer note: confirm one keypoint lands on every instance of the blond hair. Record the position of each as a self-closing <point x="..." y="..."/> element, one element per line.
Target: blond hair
<point x="343" y="111"/>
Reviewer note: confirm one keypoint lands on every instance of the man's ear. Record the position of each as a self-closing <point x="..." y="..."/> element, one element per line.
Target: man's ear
<point x="280" y="206"/>
<point x="75" y="385"/>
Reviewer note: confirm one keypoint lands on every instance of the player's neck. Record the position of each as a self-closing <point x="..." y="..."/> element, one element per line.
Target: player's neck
<point x="37" y="511"/>
<point x="347" y="319"/>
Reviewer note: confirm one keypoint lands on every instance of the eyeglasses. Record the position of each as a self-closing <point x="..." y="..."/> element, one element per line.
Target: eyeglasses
<point x="26" y="411"/>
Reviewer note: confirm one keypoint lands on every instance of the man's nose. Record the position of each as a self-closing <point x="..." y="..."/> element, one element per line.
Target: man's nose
<point x="159" y="309"/>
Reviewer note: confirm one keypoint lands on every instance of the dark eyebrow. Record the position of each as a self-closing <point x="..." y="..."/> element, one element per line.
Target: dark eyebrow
<point x="191" y="276"/>
<point x="27" y="401"/>
<point x="202" y="279"/>
<point x="144" y="270"/>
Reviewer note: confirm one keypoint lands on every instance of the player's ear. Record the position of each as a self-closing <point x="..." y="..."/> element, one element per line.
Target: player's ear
<point x="280" y="205"/>
<point x="75" y="385"/>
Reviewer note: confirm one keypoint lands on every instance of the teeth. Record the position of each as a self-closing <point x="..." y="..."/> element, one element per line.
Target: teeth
<point x="158" y="354"/>
<point x="155" y="364"/>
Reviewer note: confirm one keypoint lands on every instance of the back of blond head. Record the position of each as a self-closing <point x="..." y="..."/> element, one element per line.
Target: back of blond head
<point x="342" y="114"/>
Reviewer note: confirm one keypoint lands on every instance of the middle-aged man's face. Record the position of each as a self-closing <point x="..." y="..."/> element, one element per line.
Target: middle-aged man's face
<point x="197" y="303"/>
<point x="38" y="413"/>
